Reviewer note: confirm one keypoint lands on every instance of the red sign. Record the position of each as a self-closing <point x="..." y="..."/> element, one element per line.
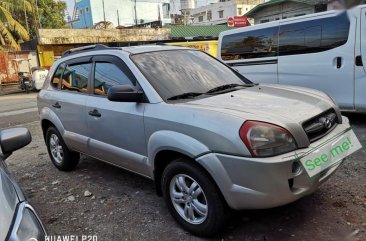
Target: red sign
<point x="238" y="21"/>
<point x="230" y="21"/>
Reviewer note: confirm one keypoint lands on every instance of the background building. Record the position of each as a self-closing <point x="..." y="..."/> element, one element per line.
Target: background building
<point x="88" y="13"/>
<point x="218" y="12"/>
<point x="282" y="9"/>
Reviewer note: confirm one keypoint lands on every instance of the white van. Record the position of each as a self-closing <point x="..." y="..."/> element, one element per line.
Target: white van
<point x="323" y="51"/>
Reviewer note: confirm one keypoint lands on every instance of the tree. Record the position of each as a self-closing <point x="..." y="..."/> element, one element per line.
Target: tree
<point x="11" y="30"/>
<point x="52" y="13"/>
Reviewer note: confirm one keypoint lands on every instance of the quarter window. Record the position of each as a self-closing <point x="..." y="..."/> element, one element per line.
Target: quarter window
<point x="252" y="44"/>
<point x="57" y="76"/>
<point x="314" y="36"/>
<point x="108" y="75"/>
<point x="75" y="77"/>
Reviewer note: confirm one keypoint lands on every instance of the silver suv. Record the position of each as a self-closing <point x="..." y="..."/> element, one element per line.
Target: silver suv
<point x="209" y="138"/>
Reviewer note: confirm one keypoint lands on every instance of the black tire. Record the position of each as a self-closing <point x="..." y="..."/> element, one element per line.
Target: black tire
<point x="69" y="159"/>
<point x="217" y="209"/>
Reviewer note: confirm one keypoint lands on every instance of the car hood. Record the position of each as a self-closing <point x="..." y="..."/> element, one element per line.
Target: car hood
<point x="8" y="202"/>
<point x="269" y="102"/>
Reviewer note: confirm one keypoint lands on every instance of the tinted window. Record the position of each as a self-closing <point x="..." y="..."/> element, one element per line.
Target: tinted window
<point x="170" y="75"/>
<point x="108" y="75"/>
<point x="314" y="36"/>
<point x="57" y="76"/>
<point x="75" y="77"/>
<point x="252" y="44"/>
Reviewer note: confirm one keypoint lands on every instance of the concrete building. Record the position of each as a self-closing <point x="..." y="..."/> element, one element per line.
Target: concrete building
<point x="218" y="12"/>
<point x="87" y="13"/>
<point x="282" y="9"/>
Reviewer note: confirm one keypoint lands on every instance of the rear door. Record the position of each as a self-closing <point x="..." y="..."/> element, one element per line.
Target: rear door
<point x="319" y="54"/>
<point x="360" y="68"/>
<point x="116" y="129"/>
<point x="69" y="102"/>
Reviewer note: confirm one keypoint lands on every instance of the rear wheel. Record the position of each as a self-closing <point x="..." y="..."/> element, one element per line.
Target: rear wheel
<point x="193" y="198"/>
<point x="60" y="155"/>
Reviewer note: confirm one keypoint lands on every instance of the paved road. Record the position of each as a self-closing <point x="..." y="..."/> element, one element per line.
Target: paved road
<point x="123" y="206"/>
<point x="18" y="109"/>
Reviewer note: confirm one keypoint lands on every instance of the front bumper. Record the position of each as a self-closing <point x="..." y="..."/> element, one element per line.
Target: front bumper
<point x="257" y="183"/>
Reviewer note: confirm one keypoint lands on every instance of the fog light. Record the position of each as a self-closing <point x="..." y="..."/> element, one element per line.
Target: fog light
<point x="296" y="168"/>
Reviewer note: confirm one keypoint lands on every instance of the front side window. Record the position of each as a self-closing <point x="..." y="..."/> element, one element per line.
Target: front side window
<point x="252" y="44"/>
<point x="108" y="75"/>
<point x="75" y="77"/>
<point x="175" y="72"/>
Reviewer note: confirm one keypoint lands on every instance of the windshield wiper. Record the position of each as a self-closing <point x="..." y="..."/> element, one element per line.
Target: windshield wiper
<point x="185" y="96"/>
<point x="227" y="87"/>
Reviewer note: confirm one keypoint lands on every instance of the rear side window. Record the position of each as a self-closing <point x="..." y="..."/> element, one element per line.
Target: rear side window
<point x="108" y="75"/>
<point x="57" y="76"/>
<point x="251" y="44"/>
<point x="314" y="36"/>
<point x="75" y="77"/>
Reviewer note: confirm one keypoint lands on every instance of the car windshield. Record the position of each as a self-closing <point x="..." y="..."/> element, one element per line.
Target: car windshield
<point x="178" y="72"/>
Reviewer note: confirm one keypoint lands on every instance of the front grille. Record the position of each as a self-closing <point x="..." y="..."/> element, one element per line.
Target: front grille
<point x="320" y="125"/>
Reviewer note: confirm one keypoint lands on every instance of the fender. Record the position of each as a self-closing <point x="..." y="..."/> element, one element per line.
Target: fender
<point x="47" y="114"/>
<point x="173" y="141"/>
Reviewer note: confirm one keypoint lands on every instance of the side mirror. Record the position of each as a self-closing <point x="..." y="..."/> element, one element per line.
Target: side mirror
<point x="14" y="139"/>
<point x="124" y="93"/>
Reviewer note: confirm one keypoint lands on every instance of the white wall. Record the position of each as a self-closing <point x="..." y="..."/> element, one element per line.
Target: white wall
<point x="146" y="10"/>
<point x="230" y="8"/>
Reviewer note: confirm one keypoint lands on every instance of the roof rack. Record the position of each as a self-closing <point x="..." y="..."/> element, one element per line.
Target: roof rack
<point x="84" y="48"/>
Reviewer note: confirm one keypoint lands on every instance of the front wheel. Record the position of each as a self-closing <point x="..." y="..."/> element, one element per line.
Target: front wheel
<point x="61" y="156"/>
<point x="193" y="198"/>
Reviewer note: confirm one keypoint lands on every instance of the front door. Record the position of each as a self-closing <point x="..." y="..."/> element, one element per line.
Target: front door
<point x="116" y="129"/>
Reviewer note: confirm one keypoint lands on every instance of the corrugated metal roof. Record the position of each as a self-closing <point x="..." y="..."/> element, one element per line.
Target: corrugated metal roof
<point x="197" y="31"/>
<point x="274" y="2"/>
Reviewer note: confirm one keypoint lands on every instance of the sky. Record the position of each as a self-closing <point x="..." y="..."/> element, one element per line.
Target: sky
<point x="70" y="6"/>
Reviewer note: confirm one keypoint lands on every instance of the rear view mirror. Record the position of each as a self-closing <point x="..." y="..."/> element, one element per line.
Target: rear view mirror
<point x="14" y="139"/>
<point x="124" y="93"/>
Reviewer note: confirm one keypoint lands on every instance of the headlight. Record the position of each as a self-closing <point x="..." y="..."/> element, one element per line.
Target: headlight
<point x="27" y="226"/>
<point x="264" y="140"/>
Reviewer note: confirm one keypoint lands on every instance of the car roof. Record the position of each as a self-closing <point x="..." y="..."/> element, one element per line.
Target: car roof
<point x="152" y="48"/>
<point x="90" y="50"/>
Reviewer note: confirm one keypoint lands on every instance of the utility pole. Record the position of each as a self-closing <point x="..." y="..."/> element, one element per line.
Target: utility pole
<point x="118" y="18"/>
<point x="25" y="16"/>
<point x="105" y="24"/>
<point x="135" y="14"/>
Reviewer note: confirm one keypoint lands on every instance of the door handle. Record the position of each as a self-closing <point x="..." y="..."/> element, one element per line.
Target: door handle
<point x="57" y="105"/>
<point x="359" y="60"/>
<point x="95" y="113"/>
<point x="339" y="62"/>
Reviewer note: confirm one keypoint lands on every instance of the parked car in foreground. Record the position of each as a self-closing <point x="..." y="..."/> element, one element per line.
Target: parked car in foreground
<point x="18" y="220"/>
<point x="208" y="137"/>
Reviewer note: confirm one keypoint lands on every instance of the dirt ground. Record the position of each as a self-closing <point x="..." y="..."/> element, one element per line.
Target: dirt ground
<point x="113" y="204"/>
